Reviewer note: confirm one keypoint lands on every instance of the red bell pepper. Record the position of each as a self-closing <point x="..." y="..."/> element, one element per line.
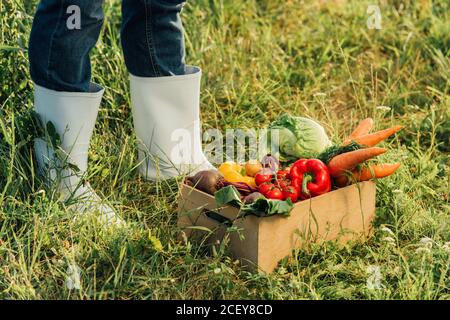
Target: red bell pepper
<point x="296" y="183"/>
<point x="311" y="176"/>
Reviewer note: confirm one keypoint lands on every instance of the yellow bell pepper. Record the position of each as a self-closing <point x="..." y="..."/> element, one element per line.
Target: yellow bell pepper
<point x="231" y="171"/>
<point x="230" y="166"/>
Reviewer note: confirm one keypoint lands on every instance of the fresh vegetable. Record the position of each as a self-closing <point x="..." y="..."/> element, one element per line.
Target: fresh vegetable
<point x="228" y="195"/>
<point x="265" y="175"/>
<point x="233" y="172"/>
<point x="376" y="171"/>
<point x="270" y="162"/>
<point x="290" y="192"/>
<point x="282" y="183"/>
<point x="341" y="181"/>
<point x="296" y="183"/>
<point x="252" y="197"/>
<point x="348" y="161"/>
<point x="373" y="139"/>
<point x="233" y="176"/>
<point x="242" y="187"/>
<point x="250" y="181"/>
<point x="282" y="179"/>
<point x="274" y="193"/>
<point x="230" y="166"/>
<point x="252" y="167"/>
<point x="265" y="187"/>
<point x="298" y="137"/>
<point x="314" y="177"/>
<point x="335" y="150"/>
<point x="208" y="181"/>
<point x="366" y="173"/>
<point x="262" y="207"/>
<point x="283" y="174"/>
<point x="363" y="128"/>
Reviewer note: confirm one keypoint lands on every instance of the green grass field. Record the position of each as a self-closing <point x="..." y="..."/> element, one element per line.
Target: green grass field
<point x="260" y="59"/>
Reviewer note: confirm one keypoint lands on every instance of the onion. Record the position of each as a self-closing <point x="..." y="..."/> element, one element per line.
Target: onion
<point x="265" y="171"/>
<point x="271" y="163"/>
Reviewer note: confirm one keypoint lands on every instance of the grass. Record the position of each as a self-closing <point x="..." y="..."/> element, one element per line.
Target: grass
<point x="260" y="59"/>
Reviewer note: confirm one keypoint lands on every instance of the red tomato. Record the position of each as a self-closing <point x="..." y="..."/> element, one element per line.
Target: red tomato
<point x="275" y="194"/>
<point x="261" y="178"/>
<point x="265" y="187"/>
<point x="283" y="174"/>
<point x="283" y="183"/>
<point x="291" y="193"/>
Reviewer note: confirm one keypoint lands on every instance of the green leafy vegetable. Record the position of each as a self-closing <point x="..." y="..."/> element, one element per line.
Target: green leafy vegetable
<point x="228" y="195"/>
<point x="262" y="207"/>
<point x="266" y="207"/>
<point x="297" y="137"/>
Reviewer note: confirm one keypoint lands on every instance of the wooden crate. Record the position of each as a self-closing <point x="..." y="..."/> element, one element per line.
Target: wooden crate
<point x="341" y="215"/>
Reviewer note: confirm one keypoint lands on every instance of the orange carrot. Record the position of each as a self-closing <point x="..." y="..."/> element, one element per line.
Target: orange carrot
<point x="348" y="161"/>
<point x="373" y="139"/>
<point x="375" y="171"/>
<point x="362" y="129"/>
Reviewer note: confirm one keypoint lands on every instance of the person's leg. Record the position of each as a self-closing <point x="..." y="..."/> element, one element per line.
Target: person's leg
<point x="152" y="37"/>
<point x="165" y="93"/>
<point x="62" y="36"/>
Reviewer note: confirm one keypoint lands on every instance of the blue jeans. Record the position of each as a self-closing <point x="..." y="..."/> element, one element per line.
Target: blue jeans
<point x="65" y="31"/>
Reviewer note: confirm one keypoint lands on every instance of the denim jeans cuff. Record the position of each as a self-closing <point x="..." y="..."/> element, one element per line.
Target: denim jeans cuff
<point x="95" y="91"/>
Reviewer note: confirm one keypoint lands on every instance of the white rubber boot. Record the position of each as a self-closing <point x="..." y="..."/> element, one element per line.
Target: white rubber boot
<point x="73" y="115"/>
<point x="166" y="113"/>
